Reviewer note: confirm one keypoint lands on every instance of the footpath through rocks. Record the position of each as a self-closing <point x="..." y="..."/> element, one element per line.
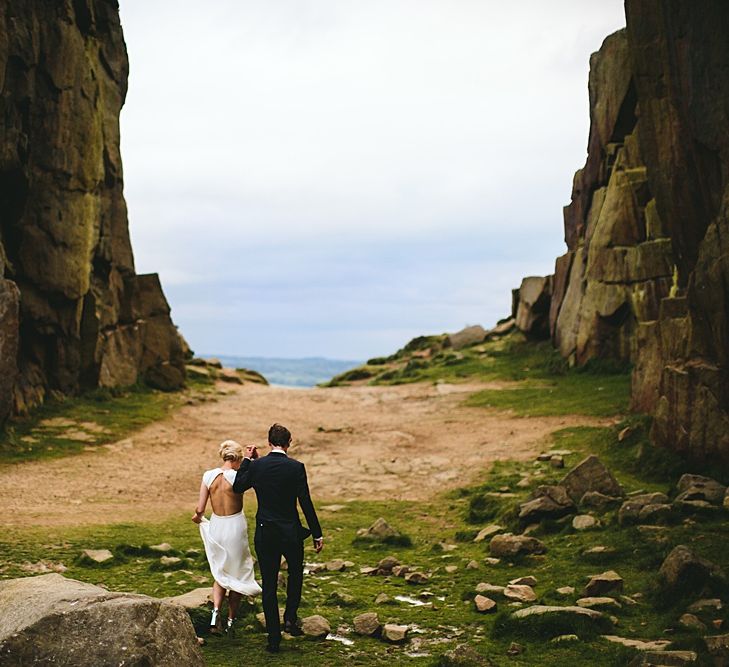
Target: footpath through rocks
<point x="406" y="442"/>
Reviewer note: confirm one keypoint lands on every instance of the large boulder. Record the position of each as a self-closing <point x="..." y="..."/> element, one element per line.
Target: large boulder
<point x="468" y="336"/>
<point x="590" y="475"/>
<point x="697" y="487"/>
<point x="548" y="502"/>
<point x="53" y="620"/>
<point x="683" y="568"/>
<point x="533" y="300"/>
<point x="512" y="546"/>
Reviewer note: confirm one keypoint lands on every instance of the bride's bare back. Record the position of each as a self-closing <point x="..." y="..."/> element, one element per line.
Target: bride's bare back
<point x="223" y="499"/>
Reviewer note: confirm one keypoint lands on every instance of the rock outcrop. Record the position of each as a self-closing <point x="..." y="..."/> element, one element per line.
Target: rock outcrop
<point x="53" y="620"/>
<point x="73" y="312"/>
<point x="645" y="278"/>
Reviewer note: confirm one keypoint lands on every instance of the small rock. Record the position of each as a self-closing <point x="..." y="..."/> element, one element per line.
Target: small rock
<point x="395" y="633"/>
<point x="656" y="515"/>
<point x="450" y="569"/>
<point x="592" y="603"/>
<point x="464" y="655"/>
<point x="400" y="570"/>
<point x="566" y="590"/>
<point x="333" y="508"/>
<point x="514" y="649"/>
<point x="663" y="658"/>
<point x="639" y="644"/>
<point x="520" y="593"/>
<point x="416" y="578"/>
<point x="683" y="565"/>
<point x="380" y="530"/>
<point x="367" y="624"/>
<point x="598" y="501"/>
<point x="97" y="555"/>
<point x="170" y="561"/>
<point x="590" y="475"/>
<point x="509" y="545"/>
<point x="697" y="487"/>
<point x="556" y="461"/>
<point x="563" y="639"/>
<point x="383" y="598"/>
<point x="484" y="605"/>
<point x="386" y="564"/>
<point x="606" y="582"/>
<point x="691" y="621"/>
<point x="336" y="565"/>
<point x="491" y="561"/>
<point x="489" y="588"/>
<point x="487" y="532"/>
<point x="625" y="433"/>
<point x="472" y="565"/>
<point x="524" y="581"/>
<point x="598" y="550"/>
<point x="341" y="599"/>
<point x="315" y="626"/>
<point x="368" y="570"/>
<point x="548" y="502"/>
<point x="714" y="604"/>
<point x="163" y="547"/>
<point x="544" y="456"/>
<point x="550" y="610"/>
<point x="584" y="522"/>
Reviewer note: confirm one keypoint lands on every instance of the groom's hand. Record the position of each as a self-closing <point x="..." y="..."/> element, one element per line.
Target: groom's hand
<point x="318" y="544"/>
<point x="251" y="452"/>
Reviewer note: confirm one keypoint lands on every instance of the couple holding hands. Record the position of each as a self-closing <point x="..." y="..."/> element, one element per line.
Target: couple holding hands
<point x="279" y="482"/>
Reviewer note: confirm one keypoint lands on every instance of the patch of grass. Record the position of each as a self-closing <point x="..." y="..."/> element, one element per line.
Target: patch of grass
<point x="67" y="426"/>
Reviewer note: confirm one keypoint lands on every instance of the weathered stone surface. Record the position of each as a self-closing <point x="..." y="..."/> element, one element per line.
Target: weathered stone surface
<point x="97" y="555"/>
<point x="86" y="318"/>
<point x="367" y="624"/>
<point x="600" y="584"/>
<point x="53" y="620"/>
<point x="484" y="605"/>
<point x="645" y="508"/>
<point x="532" y="312"/>
<point x="697" y="487"/>
<point x="598" y="501"/>
<point x="379" y="531"/>
<point x="487" y="532"/>
<point x="520" y="592"/>
<point x="593" y="602"/>
<point x="584" y="522"/>
<point x="718" y="645"/>
<point x="199" y="597"/>
<point x="546" y="610"/>
<point x="664" y="658"/>
<point x="315" y="626"/>
<point x="509" y="545"/>
<point x="468" y="336"/>
<point x="394" y="633"/>
<point x="590" y="475"/>
<point x="549" y="502"/>
<point x="683" y="567"/>
<point x="484" y="587"/>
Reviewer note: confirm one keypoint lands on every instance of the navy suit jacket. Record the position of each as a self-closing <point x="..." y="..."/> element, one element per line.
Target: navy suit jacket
<point x="279" y="481"/>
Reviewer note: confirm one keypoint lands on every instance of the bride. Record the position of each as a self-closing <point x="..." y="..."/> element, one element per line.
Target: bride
<point x="225" y="536"/>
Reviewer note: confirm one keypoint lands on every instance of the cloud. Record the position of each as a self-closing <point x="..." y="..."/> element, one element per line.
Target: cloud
<point x="337" y="157"/>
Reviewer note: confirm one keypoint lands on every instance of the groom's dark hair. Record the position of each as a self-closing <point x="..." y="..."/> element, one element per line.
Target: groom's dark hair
<point x="279" y="436"/>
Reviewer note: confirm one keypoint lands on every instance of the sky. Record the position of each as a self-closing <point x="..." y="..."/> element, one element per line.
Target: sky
<point x="335" y="177"/>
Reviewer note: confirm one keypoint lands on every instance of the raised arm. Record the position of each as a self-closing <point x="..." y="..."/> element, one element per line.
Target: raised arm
<point x="243" y="480"/>
<point x="201" y="503"/>
<point x="307" y="507"/>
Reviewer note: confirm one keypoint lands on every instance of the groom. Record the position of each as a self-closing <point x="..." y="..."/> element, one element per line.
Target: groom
<point x="279" y="481"/>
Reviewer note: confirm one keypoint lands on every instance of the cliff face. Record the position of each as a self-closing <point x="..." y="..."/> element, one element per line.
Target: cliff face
<point x="73" y="312"/>
<point x="646" y="275"/>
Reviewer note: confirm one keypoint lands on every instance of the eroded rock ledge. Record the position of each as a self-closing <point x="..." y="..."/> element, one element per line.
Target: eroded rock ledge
<point x="73" y="312"/>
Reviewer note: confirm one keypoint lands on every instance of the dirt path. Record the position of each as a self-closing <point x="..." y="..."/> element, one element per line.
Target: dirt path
<point x="404" y="442"/>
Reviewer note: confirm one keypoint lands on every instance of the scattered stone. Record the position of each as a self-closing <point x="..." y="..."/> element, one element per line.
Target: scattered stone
<point x="656" y="515"/>
<point x="466" y="656"/>
<point x="584" y="522"/>
<point x="400" y="570"/>
<point x="164" y="547"/>
<point x="548" y="502"/>
<point x="544" y="456"/>
<point x="598" y="550"/>
<point x="509" y="545"/>
<point x="566" y="590"/>
<point x="564" y="639"/>
<point x="548" y="610"/>
<point x="598" y="501"/>
<point x="379" y="531"/>
<point x="199" y="597"/>
<point x="394" y="633"/>
<point x="702" y="605"/>
<point x="386" y="564"/>
<point x="524" y="482"/>
<point x="450" y="569"/>
<point x="557" y="461"/>
<point x="170" y="562"/>
<point x="691" y="621"/>
<point x="639" y="644"/>
<point x="524" y="581"/>
<point x="193" y="553"/>
<point x="367" y="624"/>
<point x="315" y="626"/>
<point x="682" y="565"/>
<point x="484" y="605"/>
<point x="472" y="565"/>
<point x="491" y="561"/>
<point x="97" y="555"/>
<point x="606" y="582"/>
<point x="383" y="598"/>
<point x="333" y="508"/>
<point x="697" y="487"/>
<point x="514" y="649"/>
<point x="417" y="578"/>
<point x="336" y="565"/>
<point x="625" y="433"/>
<point x="718" y="646"/>
<point x="75" y="623"/>
<point x="466" y="337"/>
<point x="484" y="587"/>
<point x="520" y="593"/>
<point x="592" y="603"/>
<point x="487" y="532"/>
<point x="365" y="570"/>
<point x="590" y="475"/>
<point x="43" y="567"/>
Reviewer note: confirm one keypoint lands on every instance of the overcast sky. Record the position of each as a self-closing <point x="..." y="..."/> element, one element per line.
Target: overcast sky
<point x="334" y="177"/>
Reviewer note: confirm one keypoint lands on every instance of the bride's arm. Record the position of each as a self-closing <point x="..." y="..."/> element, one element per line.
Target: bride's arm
<point x="201" y="503"/>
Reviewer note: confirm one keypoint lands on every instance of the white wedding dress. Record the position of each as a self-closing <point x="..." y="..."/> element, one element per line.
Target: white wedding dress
<point x="226" y="545"/>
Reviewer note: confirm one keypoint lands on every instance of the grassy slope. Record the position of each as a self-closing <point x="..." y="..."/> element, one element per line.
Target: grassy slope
<point x="452" y="519"/>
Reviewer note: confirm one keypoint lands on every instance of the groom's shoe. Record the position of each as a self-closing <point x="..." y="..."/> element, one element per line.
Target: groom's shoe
<point x="292" y="628"/>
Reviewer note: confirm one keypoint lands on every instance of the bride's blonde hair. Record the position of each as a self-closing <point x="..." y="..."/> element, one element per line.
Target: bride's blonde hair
<point x="230" y="450"/>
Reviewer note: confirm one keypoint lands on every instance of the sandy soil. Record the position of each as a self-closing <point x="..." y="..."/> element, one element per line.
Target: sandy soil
<point x="405" y="442"/>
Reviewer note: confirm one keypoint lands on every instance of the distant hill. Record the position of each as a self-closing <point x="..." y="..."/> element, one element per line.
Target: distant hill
<point x="306" y="372"/>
